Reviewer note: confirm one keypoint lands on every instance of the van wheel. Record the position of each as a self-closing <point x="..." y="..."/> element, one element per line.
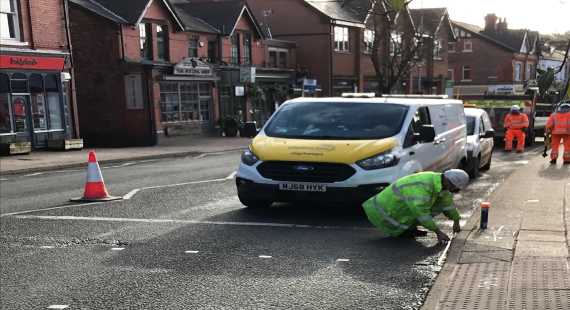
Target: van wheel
<point x="473" y="170"/>
<point x="488" y="164"/>
<point x="254" y="204"/>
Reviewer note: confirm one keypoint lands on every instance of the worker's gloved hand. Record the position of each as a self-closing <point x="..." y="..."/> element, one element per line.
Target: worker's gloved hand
<point x="456" y="227"/>
<point x="441" y="236"/>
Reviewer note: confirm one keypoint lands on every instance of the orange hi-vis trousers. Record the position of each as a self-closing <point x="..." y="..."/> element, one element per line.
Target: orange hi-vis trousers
<point x="555" y="145"/>
<point x="512" y="134"/>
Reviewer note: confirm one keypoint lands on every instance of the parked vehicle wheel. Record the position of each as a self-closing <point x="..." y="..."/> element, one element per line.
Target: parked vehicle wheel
<point x="487" y="166"/>
<point x="254" y="204"/>
<point x="473" y="169"/>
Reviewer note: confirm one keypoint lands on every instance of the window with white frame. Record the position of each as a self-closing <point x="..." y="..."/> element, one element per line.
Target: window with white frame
<point x="436" y="49"/>
<point x="185" y="101"/>
<point x="518" y="71"/>
<point x="193" y="47"/>
<point x="466" y="73"/>
<point x="529" y="74"/>
<point x="395" y="43"/>
<point x="341" y="39"/>
<point x="467" y="45"/>
<point x="9" y="26"/>
<point x="368" y="41"/>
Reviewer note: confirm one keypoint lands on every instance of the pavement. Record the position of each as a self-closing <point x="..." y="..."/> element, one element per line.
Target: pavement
<point x="521" y="260"/>
<point x="39" y="161"/>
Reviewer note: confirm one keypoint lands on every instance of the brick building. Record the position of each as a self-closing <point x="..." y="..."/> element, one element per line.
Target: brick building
<point x="37" y="99"/>
<point x="256" y="71"/>
<point x="493" y="60"/>
<point x="429" y="75"/>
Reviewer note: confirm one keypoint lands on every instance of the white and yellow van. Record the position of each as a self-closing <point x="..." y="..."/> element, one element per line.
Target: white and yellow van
<point x="349" y="149"/>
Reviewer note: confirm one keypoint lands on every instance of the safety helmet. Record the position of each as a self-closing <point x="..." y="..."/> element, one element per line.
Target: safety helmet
<point x="457" y="177"/>
<point x="515" y="108"/>
<point x="565" y="107"/>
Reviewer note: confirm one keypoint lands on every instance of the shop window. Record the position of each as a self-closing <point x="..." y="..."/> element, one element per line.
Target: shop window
<point x="145" y="31"/>
<point x="282" y="59"/>
<point x="272" y="59"/>
<point x="341" y="39"/>
<point x="247" y="48"/>
<point x="185" y="101"/>
<point x="213" y="51"/>
<point x="19" y="83"/>
<point x="235" y="49"/>
<point x="193" y="48"/>
<point x="162" y="42"/>
<point x="9" y="25"/>
<point x="5" y="117"/>
<point x="4" y="83"/>
<point x="19" y="112"/>
<point x="52" y="87"/>
<point x="38" y="103"/>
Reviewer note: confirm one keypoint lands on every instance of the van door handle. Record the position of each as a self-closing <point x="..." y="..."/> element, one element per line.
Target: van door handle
<point x="439" y="141"/>
<point x="412" y="153"/>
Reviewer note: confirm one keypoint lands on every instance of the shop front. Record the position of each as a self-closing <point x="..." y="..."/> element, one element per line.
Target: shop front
<point x="344" y="85"/>
<point x="34" y="104"/>
<point x="187" y="99"/>
<point x="271" y="89"/>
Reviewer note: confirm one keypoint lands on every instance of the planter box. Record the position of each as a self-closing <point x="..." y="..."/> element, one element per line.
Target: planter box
<point x="68" y="144"/>
<point x="15" y="148"/>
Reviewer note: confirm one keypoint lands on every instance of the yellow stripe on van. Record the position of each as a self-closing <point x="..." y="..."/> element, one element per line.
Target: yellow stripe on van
<point x="330" y="151"/>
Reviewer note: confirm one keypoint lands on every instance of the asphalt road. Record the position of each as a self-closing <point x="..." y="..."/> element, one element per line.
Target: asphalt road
<point x="183" y="241"/>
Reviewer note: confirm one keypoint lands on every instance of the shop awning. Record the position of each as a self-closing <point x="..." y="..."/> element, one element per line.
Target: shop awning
<point x="190" y="78"/>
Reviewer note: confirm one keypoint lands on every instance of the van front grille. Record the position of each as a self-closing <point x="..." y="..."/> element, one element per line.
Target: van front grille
<point x="305" y="171"/>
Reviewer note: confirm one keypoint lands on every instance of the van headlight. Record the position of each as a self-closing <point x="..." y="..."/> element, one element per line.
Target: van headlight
<point x="248" y="158"/>
<point x="379" y="161"/>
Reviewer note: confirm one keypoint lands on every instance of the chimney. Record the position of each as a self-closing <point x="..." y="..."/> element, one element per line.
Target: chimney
<point x="490" y="22"/>
<point x="502" y="25"/>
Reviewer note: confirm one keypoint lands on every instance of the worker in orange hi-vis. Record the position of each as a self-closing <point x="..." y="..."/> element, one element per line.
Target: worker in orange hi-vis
<point x="515" y="125"/>
<point x="558" y="125"/>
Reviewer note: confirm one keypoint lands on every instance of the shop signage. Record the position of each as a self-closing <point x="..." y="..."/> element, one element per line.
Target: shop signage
<point x="194" y="67"/>
<point x="247" y="74"/>
<point x="309" y="85"/>
<point x="240" y="91"/>
<point x="31" y="62"/>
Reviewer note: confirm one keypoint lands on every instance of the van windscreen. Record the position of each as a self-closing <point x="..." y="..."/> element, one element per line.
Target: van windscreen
<point x="337" y="120"/>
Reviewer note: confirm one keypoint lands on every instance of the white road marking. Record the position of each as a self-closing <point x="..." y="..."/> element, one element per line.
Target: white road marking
<point x="121" y="165"/>
<point x="130" y="194"/>
<point x="2" y="179"/>
<point x="33" y="174"/>
<point x="443" y="255"/>
<point x="117" y="249"/>
<point x="200" y="156"/>
<point x="533" y="201"/>
<point x="58" y="307"/>
<point x="495" y="233"/>
<point x="343" y="260"/>
<point x="47" y="247"/>
<point x="49" y="209"/>
<point x="231" y="176"/>
<point x="191" y="252"/>
<point x="265" y="256"/>
<point x="175" y="221"/>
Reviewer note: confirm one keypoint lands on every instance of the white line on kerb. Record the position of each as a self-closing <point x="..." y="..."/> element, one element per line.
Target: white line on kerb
<point x="175" y="221"/>
<point x="343" y="260"/>
<point x="191" y="252"/>
<point x="130" y="194"/>
<point x="231" y="176"/>
<point x="265" y="256"/>
<point x="33" y="174"/>
<point x="58" y="307"/>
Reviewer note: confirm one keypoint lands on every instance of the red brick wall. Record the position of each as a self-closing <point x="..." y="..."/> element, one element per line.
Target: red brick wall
<point x="258" y="49"/>
<point x="304" y="20"/>
<point x="43" y="24"/>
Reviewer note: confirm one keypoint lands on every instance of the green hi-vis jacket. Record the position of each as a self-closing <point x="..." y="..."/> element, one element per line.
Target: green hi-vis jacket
<point x="411" y="201"/>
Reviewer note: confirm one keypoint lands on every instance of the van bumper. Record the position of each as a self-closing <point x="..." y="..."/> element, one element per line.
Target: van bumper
<point x="271" y="192"/>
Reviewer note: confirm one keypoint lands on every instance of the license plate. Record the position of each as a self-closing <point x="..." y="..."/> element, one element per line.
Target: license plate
<point x="303" y="187"/>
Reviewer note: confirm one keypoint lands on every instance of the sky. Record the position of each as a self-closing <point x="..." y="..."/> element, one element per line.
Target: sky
<point x="545" y="16"/>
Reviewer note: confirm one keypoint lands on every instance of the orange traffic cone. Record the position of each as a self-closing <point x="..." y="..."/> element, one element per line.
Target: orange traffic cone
<point x="95" y="189"/>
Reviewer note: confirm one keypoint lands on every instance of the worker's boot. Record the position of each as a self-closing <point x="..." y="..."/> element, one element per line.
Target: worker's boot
<point x="553" y="161"/>
<point x="414" y="232"/>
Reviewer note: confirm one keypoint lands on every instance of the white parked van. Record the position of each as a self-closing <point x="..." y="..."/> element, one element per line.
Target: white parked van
<point x="349" y="149"/>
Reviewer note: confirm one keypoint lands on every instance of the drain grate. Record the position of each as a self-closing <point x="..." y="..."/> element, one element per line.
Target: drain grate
<point x="540" y="284"/>
<point x="477" y="286"/>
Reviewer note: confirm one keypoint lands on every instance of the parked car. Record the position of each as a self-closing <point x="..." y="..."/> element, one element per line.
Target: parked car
<point x="480" y="141"/>
<point x="348" y="149"/>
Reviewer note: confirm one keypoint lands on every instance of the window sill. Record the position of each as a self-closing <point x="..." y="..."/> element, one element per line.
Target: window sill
<point x="342" y="52"/>
<point x="467" y="51"/>
<point x="13" y="42"/>
<point x="467" y="80"/>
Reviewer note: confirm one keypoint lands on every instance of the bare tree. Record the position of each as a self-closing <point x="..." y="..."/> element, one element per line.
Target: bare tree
<point x="397" y="45"/>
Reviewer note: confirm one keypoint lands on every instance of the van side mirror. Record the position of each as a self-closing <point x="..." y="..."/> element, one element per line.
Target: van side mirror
<point x="426" y="134"/>
<point x="488" y="134"/>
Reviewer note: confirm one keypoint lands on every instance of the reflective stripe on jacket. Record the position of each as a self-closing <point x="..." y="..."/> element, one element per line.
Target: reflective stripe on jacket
<point x="412" y="200"/>
<point x="559" y="123"/>
<point x="516" y="121"/>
